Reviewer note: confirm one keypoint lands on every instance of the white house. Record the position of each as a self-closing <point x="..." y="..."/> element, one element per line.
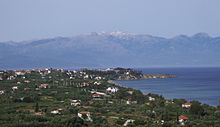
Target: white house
<point x="26" y="81"/>
<point x="130" y="92"/>
<point x="75" y="102"/>
<point x="128" y="102"/>
<point x="48" y="71"/>
<point x="112" y="89"/>
<point x="127" y="122"/>
<point x="14" y="88"/>
<point x="20" y="73"/>
<point x="151" y="98"/>
<point x="187" y="105"/>
<point x="98" y="78"/>
<point x="11" y="77"/>
<point x="2" y="92"/>
<point x="86" y="77"/>
<point x="55" y="112"/>
<point x="97" y="83"/>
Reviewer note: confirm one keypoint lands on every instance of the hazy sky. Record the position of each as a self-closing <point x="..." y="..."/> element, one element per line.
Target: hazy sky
<point x="35" y="19"/>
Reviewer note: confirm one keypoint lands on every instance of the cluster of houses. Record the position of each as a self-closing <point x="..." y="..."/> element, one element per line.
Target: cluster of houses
<point x="11" y="77"/>
<point x="82" y="75"/>
<point x="15" y="88"/>
<point x="109" y="90"/>
<point x="83" y="84"/>
<point x="124" y="74"/>
<point x="44" y="72"/>
<point x="84" y="115"/>
<point x="15" y="73"/>
<point x="94" y="94"/>
<point x="87" y="84"/>
<point x="20" y="72"/>
<point x="129" y="101"/>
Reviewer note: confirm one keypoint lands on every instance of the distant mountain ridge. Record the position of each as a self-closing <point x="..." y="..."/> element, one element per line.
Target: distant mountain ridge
<point x="111" y="50"/>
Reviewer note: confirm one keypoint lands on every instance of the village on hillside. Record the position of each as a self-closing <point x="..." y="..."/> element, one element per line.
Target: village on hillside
<point x="75" y="98"/>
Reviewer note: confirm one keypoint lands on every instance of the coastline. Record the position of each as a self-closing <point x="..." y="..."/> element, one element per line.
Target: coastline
<point x="91" y="91"/>
<point x="145" y="93"/>
<point x="147" y="76"/>
<point x="201" y="84"/>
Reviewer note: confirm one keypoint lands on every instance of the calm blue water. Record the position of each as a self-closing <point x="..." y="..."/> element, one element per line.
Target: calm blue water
<point x="202" y="84"/>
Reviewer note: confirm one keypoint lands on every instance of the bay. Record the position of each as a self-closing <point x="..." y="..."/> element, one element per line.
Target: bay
<point x="201" y="84"/>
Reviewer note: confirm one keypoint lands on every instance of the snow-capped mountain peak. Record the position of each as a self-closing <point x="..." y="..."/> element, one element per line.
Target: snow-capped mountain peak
<point x="119" y="33"/>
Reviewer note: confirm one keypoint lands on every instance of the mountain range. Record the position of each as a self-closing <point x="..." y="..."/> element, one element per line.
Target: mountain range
<point x="111" y="50"/>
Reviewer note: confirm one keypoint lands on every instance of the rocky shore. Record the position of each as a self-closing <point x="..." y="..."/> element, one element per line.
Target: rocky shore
<point x="146" y="76"/>
<point x="156" y="76"/>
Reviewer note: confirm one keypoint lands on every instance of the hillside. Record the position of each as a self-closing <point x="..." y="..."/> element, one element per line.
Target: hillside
<point x="111" y="50"/>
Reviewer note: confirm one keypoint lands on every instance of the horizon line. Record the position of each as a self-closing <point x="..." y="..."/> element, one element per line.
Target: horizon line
<point x="111" y="33"/>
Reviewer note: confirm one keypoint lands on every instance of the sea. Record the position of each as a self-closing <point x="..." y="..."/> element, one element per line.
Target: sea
<point x="200" y="84"/>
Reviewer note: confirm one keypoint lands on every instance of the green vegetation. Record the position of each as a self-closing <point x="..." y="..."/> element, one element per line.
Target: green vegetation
<point x="63" y="98"/>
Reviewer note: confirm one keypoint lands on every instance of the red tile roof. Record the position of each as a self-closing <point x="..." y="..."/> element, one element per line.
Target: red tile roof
<point x="183" y="117"/>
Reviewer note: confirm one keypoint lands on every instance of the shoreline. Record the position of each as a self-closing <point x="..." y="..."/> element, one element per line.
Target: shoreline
<point x="148" y="76"/>
<point x="145" y="93"/>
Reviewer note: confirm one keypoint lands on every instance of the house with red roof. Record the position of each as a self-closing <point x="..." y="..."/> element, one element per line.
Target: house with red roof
<point x="85" y="116"/>
<point x="183" y="119"/>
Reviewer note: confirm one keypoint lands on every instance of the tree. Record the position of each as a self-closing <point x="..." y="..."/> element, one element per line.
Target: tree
<point x="36" y="107"/>
<point x="74" y="122"/>
<point x="138" y="96"/>
<point x="179" y="101"/>
<point x="165" y="116"/>
<point x="122" y="94"/>
<point x="196" y="108"/>
<point x="28" y="99"/>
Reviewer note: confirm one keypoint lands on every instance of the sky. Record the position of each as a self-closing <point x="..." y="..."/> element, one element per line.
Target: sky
<point x="37" y="19"/>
